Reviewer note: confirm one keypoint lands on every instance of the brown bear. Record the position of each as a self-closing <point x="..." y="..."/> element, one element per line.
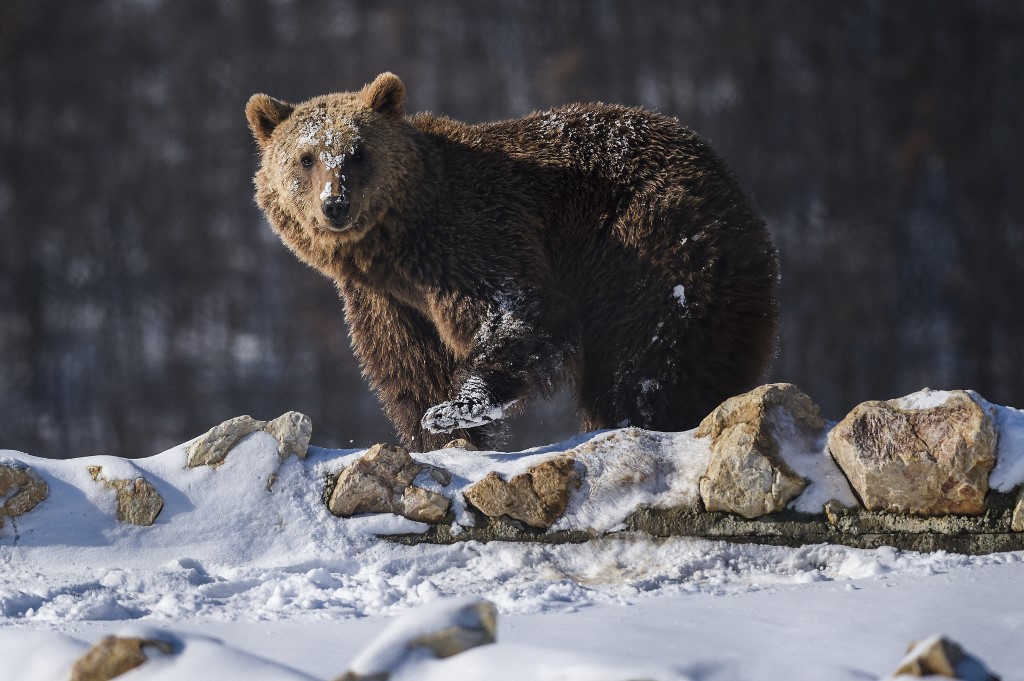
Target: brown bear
<point x="483" y="265"/>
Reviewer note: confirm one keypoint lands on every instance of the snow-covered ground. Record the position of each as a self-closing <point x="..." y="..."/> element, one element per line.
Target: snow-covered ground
<point x="255" y="583"/>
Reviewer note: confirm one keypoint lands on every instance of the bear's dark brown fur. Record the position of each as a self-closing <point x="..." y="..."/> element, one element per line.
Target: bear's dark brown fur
<point x="482" y="265"/>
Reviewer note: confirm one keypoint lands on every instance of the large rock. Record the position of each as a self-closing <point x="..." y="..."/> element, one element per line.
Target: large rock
<point x="927" y="454"/>
<point x="138" y="502"/>
<point x="939" y="657"/>
<point x="114" y="656"/>
<point x="537" y="497"/>
<point x="747" y="474"/>
<point x="381" y="482"/>
<point x="21" y="489"/>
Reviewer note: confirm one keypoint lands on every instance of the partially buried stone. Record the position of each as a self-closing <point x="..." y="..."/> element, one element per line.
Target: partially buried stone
<point x="1017" y="520"/>
<point x="537" y="497"/>
<point x="113" y="656"/>
<point x="939" y="657"/>
<point x="292" y="431"/>
<point x="21" y="489"/>
<point x="381" y="482"/>
<point x="747" y="475"/>
<point x="212" y="447"/>
<point x="927" y="454"/>
<point x="138" y="502"/>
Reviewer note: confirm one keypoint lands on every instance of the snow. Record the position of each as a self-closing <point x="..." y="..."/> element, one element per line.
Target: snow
<point x="326" y="191"/>
<point x="249" y="576"/>
<point x="923" y="399"/>
<point x="680" y="294"/>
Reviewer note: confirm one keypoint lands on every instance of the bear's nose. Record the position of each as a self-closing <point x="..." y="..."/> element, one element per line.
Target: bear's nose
<point x="335" y="208"/>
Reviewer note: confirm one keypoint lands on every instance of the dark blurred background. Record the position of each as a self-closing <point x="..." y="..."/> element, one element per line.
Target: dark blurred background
<point x="143" y="298"/>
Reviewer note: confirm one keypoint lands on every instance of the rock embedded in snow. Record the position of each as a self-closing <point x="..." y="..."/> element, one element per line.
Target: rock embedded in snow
<point x="747" y="474"/>
<point x="21" y="489"/>
<point x="292" y="431"/>
<point x="138" y="502"/>
<point x="939" y="657"/>
<point x="212" y="447"/>
<point x="1017" y="519"/>
<point x="113" y="656"/>
<point x="537" y="497"/>
<point x="461" y="443"/>
<point x="381" y="482"/>
<point x="927" y="454"/>
<point x="439" y="630"/>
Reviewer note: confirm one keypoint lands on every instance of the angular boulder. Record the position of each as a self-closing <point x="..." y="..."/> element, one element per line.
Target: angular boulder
<point x="381" y="482"/>
<point x="747" y="474"/>
<point x="113" y="656"/>
<point x="926" y="454"/>
<point x="537" y="497"/>
<point x="21" y="489"/>
<point x="1017" y="519"/>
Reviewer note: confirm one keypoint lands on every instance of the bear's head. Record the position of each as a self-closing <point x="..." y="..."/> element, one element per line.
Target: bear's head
<point x="335" y="164"/>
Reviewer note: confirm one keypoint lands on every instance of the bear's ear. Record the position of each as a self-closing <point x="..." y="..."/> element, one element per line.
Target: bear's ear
<point x="385" y="95"/>
<point x="266" y="113"/>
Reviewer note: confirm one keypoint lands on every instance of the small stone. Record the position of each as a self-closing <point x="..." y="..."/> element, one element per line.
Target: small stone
<point x="747" y="475"/>
<point x="113" y="656"/>
<point x="904" y="458"/>
<point x="441" y="476"/>
<point x="138" y="502"/>
<point x="461" y="443"/>
<point x="537" y="497"/>
<point x="439" y="630"/>
<point x="211" y="448"/>
<point x="423" y="505"/>
<point x="1017" y="520"/>
<point x="292" y="431"/>
<point x="939" y="656"/>
<point x="21" y="489"/>
<point x="381" y="482"/>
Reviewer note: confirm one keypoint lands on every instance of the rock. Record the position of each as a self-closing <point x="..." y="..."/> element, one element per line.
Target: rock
<point x="138" y="502"/>
<point x="21" y="489"/>
<point x="114" y="656"/>
<point x="292" y="431"/>
<point x="938" y="656"/>
<point x="381" y="482"/>
<point x="747" y="474"/>
<point x="212" y="447"/>
<point x="537" y="497"/>
<point x="926" y="454"/>
<point x="1017" y="519"/>
<point x="461" y="443"/>
<point x="441" y="629"/>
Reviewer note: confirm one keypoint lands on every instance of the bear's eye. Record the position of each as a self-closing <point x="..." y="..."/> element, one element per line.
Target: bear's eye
<point x="306" y="160"/>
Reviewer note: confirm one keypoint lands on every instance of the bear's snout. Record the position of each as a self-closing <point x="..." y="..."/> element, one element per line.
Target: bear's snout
<point x="335" y="208"/>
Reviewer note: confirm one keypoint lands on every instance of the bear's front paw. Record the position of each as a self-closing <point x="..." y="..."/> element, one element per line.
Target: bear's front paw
<point x="460" y="413"/>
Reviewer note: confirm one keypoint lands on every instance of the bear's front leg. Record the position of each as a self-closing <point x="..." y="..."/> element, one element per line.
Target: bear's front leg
<point x="520" y="345"/>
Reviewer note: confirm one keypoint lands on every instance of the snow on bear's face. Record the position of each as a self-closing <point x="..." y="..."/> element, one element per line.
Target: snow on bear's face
<point x="334" y="163"/>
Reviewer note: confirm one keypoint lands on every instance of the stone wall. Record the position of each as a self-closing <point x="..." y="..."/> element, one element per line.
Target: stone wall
<point x="933" y="470"/>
